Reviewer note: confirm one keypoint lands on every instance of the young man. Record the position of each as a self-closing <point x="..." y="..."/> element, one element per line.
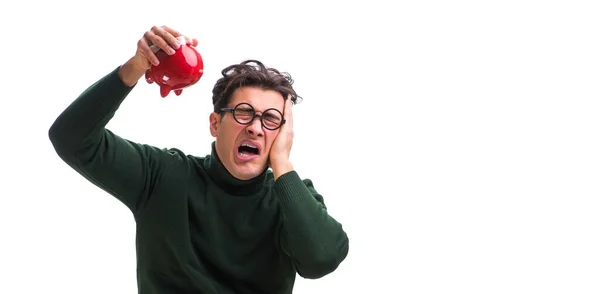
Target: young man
<point x="223" y="223"/>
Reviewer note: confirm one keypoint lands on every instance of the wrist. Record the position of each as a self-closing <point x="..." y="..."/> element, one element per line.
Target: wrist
<point x="132" y="70"/>
<point x="281" y="167"/>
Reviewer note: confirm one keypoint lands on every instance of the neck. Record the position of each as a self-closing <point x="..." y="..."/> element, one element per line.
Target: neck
<point x="228" y="182"/>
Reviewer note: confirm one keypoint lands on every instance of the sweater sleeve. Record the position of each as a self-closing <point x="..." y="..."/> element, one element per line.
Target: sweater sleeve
<point x="314" y="240"/>
<point x="124" y="169"/>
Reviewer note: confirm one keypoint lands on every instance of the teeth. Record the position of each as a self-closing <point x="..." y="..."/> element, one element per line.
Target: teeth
<point x="249" y="145"/>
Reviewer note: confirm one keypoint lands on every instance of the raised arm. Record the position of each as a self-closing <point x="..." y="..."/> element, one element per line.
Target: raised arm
<point x="125" y="169"/>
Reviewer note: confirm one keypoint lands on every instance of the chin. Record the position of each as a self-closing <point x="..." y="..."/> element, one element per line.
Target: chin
<point x="249" y="171"/>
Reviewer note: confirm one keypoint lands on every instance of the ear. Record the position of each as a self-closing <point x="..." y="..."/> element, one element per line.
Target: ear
<point x="214" y="121"/>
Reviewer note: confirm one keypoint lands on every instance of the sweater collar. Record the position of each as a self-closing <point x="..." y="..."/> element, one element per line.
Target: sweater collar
<point x="227" y="181"/>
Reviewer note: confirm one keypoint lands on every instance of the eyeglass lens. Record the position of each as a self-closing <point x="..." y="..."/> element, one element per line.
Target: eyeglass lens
<point x="244" y="114"/>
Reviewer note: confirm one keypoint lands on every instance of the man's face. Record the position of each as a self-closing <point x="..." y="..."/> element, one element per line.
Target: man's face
<point x="244" y="149"/>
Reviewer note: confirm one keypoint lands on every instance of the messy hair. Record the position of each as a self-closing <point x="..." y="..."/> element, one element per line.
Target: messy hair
<point x="252" y="73"/>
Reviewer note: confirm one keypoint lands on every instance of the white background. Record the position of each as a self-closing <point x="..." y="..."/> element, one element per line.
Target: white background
<point x="457" y="141"/>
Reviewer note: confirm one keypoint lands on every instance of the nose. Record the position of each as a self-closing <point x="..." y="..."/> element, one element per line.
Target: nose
<point x="255" y="128"/>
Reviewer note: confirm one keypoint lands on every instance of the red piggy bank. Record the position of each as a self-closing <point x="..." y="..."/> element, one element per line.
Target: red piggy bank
<point x="178" y="71"/>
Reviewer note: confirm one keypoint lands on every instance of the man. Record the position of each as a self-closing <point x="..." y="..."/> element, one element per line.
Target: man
<point x="223" y="223"/>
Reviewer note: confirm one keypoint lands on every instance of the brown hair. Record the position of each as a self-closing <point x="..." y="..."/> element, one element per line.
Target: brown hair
<point x="252" y="73"/>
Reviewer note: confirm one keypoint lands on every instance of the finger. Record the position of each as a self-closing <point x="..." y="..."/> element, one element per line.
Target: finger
<point x="145" y="48"/>
<point x="288" y="112"/>
<point x="163" y="40"/>
<point x="175" y="33"/>
<point x="157" y="43"/>
<point x="171" y="31"/>
<point x="172" y="36"/>
<point x="191" y="41"/>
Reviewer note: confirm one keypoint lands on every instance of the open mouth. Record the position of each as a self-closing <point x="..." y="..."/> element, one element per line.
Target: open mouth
<point x="248" y="149"/>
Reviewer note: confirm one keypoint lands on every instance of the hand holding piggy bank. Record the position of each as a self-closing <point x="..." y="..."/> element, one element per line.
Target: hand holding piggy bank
<point x="178" y="71"/>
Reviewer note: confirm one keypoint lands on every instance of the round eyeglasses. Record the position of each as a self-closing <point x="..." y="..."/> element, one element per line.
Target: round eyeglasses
<point x="244" y="114"/>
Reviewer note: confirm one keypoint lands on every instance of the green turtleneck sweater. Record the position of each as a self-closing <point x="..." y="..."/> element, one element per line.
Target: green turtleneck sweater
<point x="199" y="229"/>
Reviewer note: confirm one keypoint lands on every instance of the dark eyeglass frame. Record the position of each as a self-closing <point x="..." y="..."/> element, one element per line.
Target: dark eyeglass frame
<point x="254" y="115"/>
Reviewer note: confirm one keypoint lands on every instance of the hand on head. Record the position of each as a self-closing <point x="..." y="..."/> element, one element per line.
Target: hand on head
<point x="282" y="146"/>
